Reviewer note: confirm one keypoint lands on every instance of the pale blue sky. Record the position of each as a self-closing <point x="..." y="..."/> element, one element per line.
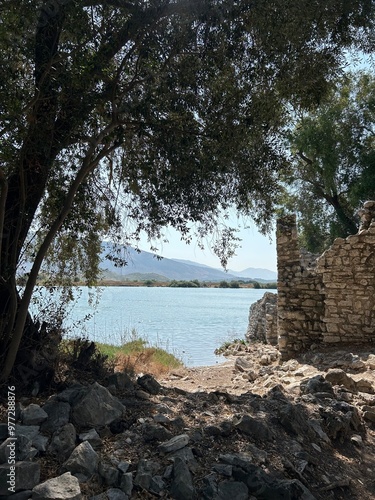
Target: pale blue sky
<point x="255" y="250"/>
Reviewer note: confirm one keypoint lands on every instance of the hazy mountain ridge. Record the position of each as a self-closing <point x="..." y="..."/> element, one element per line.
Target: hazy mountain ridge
<point x="174" y="269"/>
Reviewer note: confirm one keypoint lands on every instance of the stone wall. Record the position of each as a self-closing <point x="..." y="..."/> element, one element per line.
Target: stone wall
<point x="300" y="300"/>
<point x="328" y="299"/>
<point x="263" y="320"/>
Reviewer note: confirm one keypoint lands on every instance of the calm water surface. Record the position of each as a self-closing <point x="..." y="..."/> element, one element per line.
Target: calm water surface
<point x="190" y="322"/>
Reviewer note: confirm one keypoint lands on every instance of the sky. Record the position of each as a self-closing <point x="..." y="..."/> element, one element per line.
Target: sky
<point x="255" y="250"/>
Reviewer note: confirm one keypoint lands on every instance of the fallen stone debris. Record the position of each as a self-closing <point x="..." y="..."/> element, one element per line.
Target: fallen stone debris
<point x="250" y="428"/>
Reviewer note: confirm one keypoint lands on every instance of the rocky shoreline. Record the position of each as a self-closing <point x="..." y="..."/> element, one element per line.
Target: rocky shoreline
<point x="251" y="428"/>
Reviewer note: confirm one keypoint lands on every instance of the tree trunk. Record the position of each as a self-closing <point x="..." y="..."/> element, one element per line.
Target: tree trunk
<point x="348" y="223"/>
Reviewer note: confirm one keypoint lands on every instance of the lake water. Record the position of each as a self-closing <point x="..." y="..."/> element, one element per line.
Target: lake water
<point x="190" y="322"/>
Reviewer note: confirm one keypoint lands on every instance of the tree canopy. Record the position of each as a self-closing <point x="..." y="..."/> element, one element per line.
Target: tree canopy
<point x="126" y="116"/>
<point x="333" y="171"/>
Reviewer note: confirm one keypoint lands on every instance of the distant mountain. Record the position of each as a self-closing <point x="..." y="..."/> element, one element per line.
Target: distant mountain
<point x="256" y="273"/>
<point x="174" y="269"/>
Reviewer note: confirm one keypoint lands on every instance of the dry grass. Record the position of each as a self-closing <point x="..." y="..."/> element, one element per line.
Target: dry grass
<point x="149" y="360"/>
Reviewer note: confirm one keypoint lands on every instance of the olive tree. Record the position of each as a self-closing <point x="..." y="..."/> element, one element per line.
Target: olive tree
<point x="128" y="116"/>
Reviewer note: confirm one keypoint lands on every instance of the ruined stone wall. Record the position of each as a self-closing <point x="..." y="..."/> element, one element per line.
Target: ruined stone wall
<point x="262" y="325"/>
<point x="348" y="274"/>
<point x="300" y="305"/>
<point x="331" y="299"/>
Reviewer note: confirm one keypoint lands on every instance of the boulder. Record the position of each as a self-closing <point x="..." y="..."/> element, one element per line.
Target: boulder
<point x="126" y="483"/>
<point x="40" y="442"/>
<point x="182" y="487"/>
<point x="63" y="442"/>
<point x="295" y="421"/>
<point x="64" y="487"/>
<point x="149" y="384"/>
<point x="20" y="447"/>
<point x="96" y="408"/>
<point x="316" y="385"/>
<point x="267" y="487"/>
<point x="155" y="432"/>
<point x="232" y="489"/>
<point x="340" y="419"/>
<point x="336" y="376"/>
<point x="92" y="437"/>
<point x="33" y="415"/>
<point x="58" y="415"/>
<point x="242" y="364"/>
<point x="116" y="494"/>
<point x="174" y="444"/>
<point x="369" y="416"/>
<point x="83" y="460"/>
<point x="364" y="385"/>
<point x="252" y="427"/>
<point x="109" y="474"/>
<point x="120" y="380"/>
<point x="27" y="475"/>
<point x="145" y="472"/>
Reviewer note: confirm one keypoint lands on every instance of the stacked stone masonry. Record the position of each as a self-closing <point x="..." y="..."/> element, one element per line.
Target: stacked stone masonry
<point x="329" y="299"/>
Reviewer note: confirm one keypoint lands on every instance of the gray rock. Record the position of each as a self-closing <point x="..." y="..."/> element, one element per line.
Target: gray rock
<point x="223" y="469"/>
<point x="21" y="449"/>
<point x="33" y="415"/>
<point x="123" y="466"/>
<point x="295" y="421"/>
<point x="242" y="365"/>
<point x="155" y="432"/>
<point x="162" y="408"/>
<point x="252" y="427"/>
<point x="264" y="486"/>
<point x="116" y="494"/>
<point x="182" y="487"/>
<point x="364" y="385"/>
<point x="149" y="384"/>
<point x="145" y="472"/>
<point x="120" y="380"/>
<point x="63" y="442"/>
<point x="161" y="419"/>
<point x="369" y="415"/>
<point x="126" y="483"/>
<point x="64" y="487"/>
<point x="40" y="442"/>
<point x="109" y="474"/>
<point x="83" y="460"/>
<point x="92" y="437"/>
<point x="259" y="456"/>
<point x="340" y="419"/>
<point x="157" y="485"/>
<point x="174" y="444"/>
<point x="209" y="488"/>
<point x="97" y="408"/>
<point x="27" y="476"/>
<point x="315" y="424"/>
<point x="29" y="431"/>
<point x="243" y="460"/>
<point x="212" y="430"/>
<point x="232" y="490"/>
<point x="186" y="454"/>
<point x="336" y="376"/>
<point x="58" y="415"/>
<point x="72" y="394"/>
<point x="316" y="385"/>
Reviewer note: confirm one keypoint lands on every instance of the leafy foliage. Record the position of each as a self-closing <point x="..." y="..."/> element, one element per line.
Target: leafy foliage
<point x="333" y="171"/>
